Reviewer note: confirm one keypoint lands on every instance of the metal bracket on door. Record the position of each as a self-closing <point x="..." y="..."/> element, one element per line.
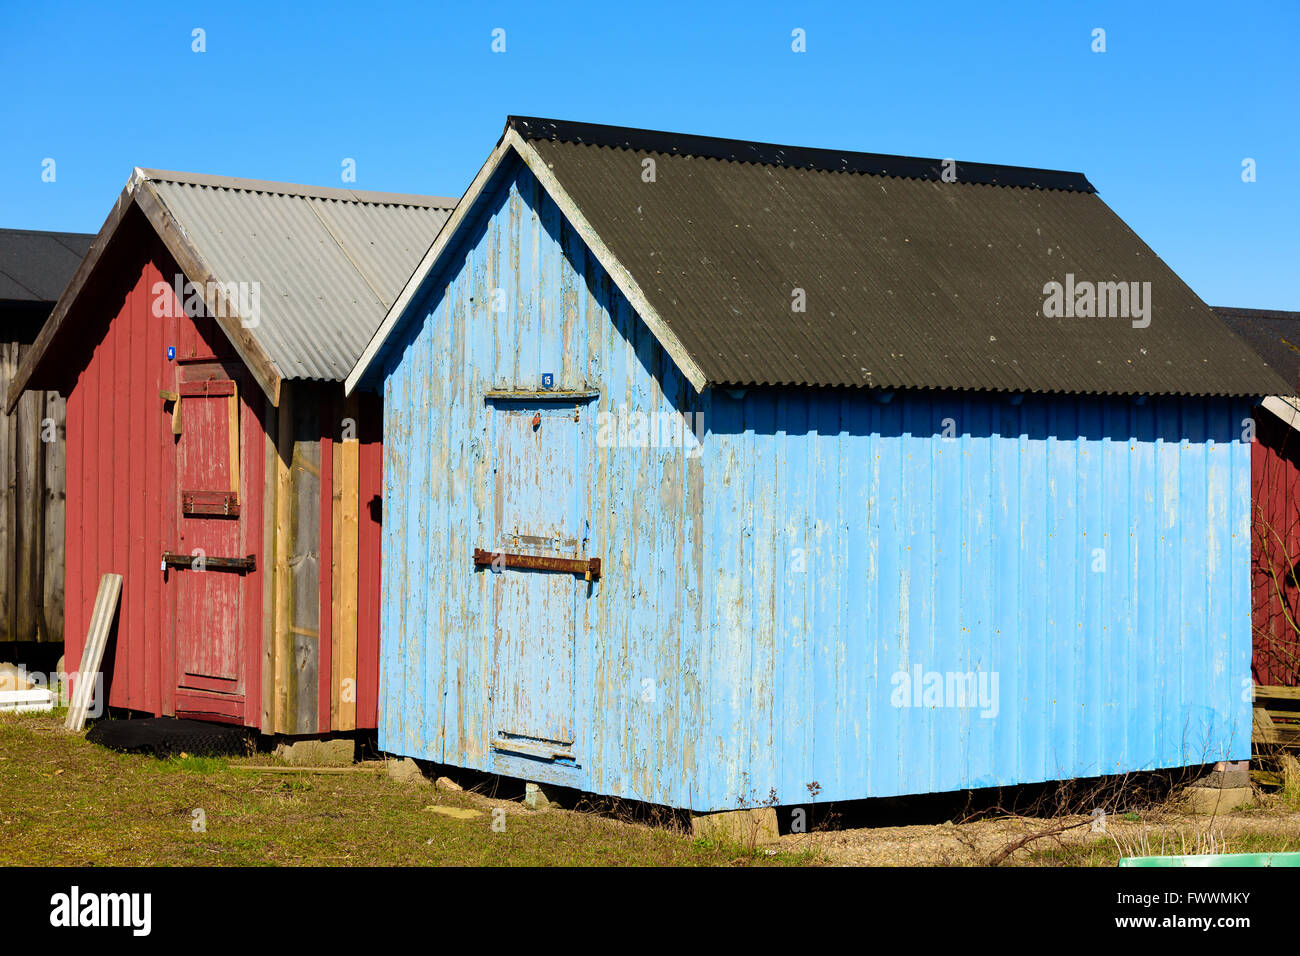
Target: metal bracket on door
<point x="534" y="746"/>
<point x="589" y="568"/>
<point x="171" y="559"/>
<point x="219" y="504"/>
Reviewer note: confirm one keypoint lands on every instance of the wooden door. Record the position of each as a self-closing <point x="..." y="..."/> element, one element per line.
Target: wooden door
<point x="541" y="502"/>
<point x="208" y="566"/>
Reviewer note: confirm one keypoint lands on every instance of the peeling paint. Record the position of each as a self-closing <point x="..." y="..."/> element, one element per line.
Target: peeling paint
<point x="768" y="588"/>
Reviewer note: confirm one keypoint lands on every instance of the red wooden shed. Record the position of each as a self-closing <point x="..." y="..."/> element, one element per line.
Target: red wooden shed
<point x="212" y="458"/>
<point x="1275" y="498"/>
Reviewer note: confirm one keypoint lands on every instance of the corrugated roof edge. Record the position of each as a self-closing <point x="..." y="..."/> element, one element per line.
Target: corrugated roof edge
<point x="877" y="387"/>
<point x="1255" y="313"/>
<point x="799" y="157"/>
<point x="140" y="193"/>
<point x="514" y="136"/>
<point x="294" y="189"/>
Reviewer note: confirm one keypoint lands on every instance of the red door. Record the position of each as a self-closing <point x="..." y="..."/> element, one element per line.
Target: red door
<point x="209" y="567"/>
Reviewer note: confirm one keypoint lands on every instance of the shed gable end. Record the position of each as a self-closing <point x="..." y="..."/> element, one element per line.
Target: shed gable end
<point x="521" y="304"/>
<point x="521" y="271"/>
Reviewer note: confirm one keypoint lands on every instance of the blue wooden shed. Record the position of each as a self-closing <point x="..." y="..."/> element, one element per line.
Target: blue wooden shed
<point x="719" y="472"/>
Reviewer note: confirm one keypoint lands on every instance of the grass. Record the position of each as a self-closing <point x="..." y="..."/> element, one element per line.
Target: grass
<point x="1106" y="852"/>
<point x="66" y="802"/>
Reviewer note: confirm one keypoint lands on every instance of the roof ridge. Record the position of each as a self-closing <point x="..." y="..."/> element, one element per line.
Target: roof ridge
<point x="798" y="157"/>
<point x="6" y="230"/>
<point x="359" y="196"/>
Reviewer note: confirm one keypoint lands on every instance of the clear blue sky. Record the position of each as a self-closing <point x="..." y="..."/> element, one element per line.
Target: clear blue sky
<point x="1160" y="122"/>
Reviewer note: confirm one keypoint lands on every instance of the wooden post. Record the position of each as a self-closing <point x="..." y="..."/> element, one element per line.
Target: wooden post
<point x="30" y="497"/>
<point x="336" y="587"/>
<point x="270" y="489"/>
<point x="345" y="669"/>
<point x="9" y="505"/>
<point x="282" y="593"/>
<point x="55" y="494"/>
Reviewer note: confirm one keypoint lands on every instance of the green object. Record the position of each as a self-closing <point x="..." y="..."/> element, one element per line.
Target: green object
<point x="1215" y="859"/>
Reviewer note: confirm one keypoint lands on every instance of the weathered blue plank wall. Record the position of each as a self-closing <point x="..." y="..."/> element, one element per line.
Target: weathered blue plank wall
<point x="778" y="604"/>
<point x="642" y="619"/>
<point x="1091" y="556"/>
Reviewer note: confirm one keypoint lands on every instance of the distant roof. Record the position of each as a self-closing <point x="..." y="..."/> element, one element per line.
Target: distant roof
<point x="1274" y="335"/>
<point x="326" y="264"/>
<point x="35" y="266"/>
<point x="913" y="273"/>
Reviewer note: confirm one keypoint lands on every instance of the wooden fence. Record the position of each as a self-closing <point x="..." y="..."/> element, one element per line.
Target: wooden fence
<point x="32" y="456"/>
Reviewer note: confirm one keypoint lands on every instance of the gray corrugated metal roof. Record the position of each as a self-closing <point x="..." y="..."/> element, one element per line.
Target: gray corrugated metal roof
<point x="1275" y="335"/>
<point x="910" y="281"/>
<point x="35" y="266"/>
<point x="328" y="262"/>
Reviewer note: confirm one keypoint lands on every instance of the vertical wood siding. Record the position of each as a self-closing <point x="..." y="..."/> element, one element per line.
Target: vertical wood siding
<point x="32" y="495"/>
<point x="121" y="482"/>
<point x="1275" y="461"/>
<point x="758" y="600"/>
<point x="1092" y="554"/>
<point x="370" y="465"/>
<point x="322" y="646"/>
<point x="122" y="511"/>
<point x="436" y="650"/>
<point x="123" y="507"/>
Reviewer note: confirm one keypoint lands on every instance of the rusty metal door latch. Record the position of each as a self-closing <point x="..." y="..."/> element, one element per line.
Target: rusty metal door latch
<point x="589" y="568"/>
<point x="221" y="504"/>
<point x="170" y="559"/>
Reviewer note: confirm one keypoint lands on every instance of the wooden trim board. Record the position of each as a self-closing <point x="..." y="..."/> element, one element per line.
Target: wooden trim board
<point x="92" y="657"/>
<point x="345" y="668"/>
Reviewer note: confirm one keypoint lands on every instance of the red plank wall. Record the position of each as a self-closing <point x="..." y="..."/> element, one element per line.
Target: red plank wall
<point x="368" y="537"/>
<point x="122" y="509"/>
<point x="121" y="494"/>
<point x="116" y="476"/>
<point x="370" y="489"/>
<point x="1275" y="549"/>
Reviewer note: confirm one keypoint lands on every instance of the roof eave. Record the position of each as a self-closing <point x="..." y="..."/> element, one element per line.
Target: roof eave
<point x="297" y="189"/>
<point x="50" y="329"/>
<point x="140" y="192"/>
<point x="511" y="141"/>
<point x="1286" y="408"/>
<point x="431" y="259"/>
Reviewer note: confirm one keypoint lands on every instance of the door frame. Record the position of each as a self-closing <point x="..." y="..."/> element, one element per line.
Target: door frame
<point x="243" y="708"/>
<point x="538" y="750"/>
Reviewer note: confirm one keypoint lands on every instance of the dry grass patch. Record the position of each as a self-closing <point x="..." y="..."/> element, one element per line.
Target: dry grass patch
<point x="67" y="802"/>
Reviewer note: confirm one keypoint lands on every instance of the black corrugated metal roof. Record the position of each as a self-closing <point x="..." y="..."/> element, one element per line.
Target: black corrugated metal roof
<point x="797" y="157"/>
<point x="909" y="281"/>
<point x="1274" y="335"/>
<point x="35" y="266"/>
